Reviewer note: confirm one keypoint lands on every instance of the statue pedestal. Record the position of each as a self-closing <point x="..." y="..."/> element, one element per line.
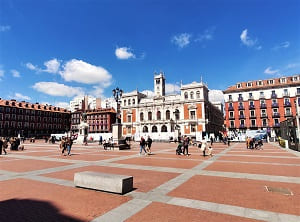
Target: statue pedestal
<point x="83" y="132"/>
<point x="116" y="132"/>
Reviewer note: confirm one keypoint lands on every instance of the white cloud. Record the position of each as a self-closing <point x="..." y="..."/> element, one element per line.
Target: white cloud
<point x="206" y="35"/>
<point x="4" y="28"/>
<point x="15" y="73"/>
<point x="82" y="72"/>
<point x="148" y="93"/>
<point x="1" y="73"/>
<point x="57" y="89"/>
<point x="292" y="65"/>
<point x="124" y="53"/>
<point x="97" y="91"/>
<point x="19" y="96"/>
<point x="172" y="88"/>
<point x="32" y="67"/>
<point x="52" y="66"/>
<point x="246" y="40"/>
<point x="64" y="105"/>
<point x="181" y="40"/>
<point x="216" y="95"/>
<point x="269" y="71"/>
<point x="282" y="45"/>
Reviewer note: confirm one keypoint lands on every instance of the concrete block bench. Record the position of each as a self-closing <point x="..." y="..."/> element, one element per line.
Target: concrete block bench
<point x="102" y="181"/>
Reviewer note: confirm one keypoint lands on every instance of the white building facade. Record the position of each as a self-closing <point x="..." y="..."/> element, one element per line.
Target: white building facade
<point x="168" y="116"/>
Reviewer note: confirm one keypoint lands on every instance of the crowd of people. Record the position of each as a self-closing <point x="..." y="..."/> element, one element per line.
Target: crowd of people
<point x="145" y="146"/>
<point x="183" y="146"/>
<point x="14" y="142"/>
<point x="254" y="143"/>
<point x="66" y="145"/>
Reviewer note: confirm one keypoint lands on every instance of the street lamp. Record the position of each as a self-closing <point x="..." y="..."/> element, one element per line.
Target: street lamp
<point x="117" y="94"/>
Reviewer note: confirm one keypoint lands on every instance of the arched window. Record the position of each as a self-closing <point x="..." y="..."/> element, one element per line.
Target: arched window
<point x="145" y="129"/>
<point x="198" y="94"/>
<point x="124" y="102"/>
<point x="154" y="129"/>
<point x="192" y="95"/>
<point x="129" y="102"/>
<point x="141" y="116"/>
<point x="133" y="101"/>
<point x="149" y="115"/>
<point x="167" y="114"/>
<point x="164" y="128"/>
<point x="186" y="96"/>
<point x="158" y="115"/>
<point x="177" y="114"/>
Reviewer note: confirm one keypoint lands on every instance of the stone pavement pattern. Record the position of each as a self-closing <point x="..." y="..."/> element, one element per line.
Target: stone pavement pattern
<point x="37" y="184"/>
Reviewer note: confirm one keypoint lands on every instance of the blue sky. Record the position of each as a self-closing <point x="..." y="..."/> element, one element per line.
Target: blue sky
<point x="54" y="50"/>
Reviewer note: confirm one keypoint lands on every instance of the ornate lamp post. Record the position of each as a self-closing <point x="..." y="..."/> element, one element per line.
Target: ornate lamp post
<point x="117" y="128"/>
<point x="117" y="94"/>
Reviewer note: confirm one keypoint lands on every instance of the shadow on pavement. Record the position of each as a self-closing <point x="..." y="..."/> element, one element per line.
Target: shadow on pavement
<point x="17" y="210"/>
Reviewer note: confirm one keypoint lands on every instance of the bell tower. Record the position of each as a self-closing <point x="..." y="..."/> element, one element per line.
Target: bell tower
<point x="159" y="84"/>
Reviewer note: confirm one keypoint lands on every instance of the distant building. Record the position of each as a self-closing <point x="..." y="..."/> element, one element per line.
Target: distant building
<point x="163" y="116"/>
<point x="261" y="104"/>
<point x="89" y="103"/>
<point x="32" y="119"/>
<point x="99" y="119"/>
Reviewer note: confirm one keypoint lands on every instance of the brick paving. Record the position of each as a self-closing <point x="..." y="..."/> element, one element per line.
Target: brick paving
<point x="37" y="184"/>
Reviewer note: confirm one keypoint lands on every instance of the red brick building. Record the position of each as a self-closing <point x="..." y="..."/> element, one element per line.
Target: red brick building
<point x="32" y="119"/>
<point x="261" y="104"/>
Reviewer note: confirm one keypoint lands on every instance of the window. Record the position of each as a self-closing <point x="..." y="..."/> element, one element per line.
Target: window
<point x="133" y="101"/>
<point x="177" y="114"/>
<point x="192" y="95"/>
<point x="158" y="115"/>
<point x="198" y="94"/>
<point x="193" y="127"/>
<point x="241" y="113"/>
<point x="242" y="122"/>
<point x="168" y="114"/>
<point x="186" y="96"/>
<point x="192" y="115"/>
<point x="295" y="78"/>
<point x="141" y="116"/>
<point x="259" y="83"/>
<point x="231" y="114"/>
<point x="270" y="81"/>
<point x="251" y="103"/>
<point x="288" y="111"/>
<point x="250" y="95"/>
<point x="239" y="85"/>
<point x="154" y="129"/>
<point x="298" y="91"/>
<point x="249" y="84"/>
<point x="282" y="80"/>
<point x="261" y="94"/>
<point x="164" y="128"/>
<point x="231" y="124"/>
<point x="253" y="123"/>
<point x="129" y="118"/>
<point x="230" y="97"/>
<point x="252" y="113"/>
<point x="124" y="102"/>
<point x="129" y="102"/>
<point x="264" y="122"/>
<point x="149" y="115"/>
<point x="285" y="92"/>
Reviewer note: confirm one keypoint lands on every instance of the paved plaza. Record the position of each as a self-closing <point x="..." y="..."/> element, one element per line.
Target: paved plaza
<point x="235" y="184"/>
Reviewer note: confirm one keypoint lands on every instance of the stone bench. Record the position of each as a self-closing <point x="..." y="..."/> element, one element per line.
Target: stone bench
<point x="105" y="182"/>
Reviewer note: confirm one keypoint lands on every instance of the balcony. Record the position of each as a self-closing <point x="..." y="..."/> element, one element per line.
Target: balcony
<point x="242" y="126"/>
<point x="276" y="125"/>
<point x="274" y="96"/>
<point x="230" y="108"/>
<point x="275" y="105"/>
<point x="240" y="98"/>
<point x="263" y="106"/>
<point x="241" y="107"/>
<point x="231" y="117"/>
<point x="286" y="94"/>
<point x="251" y="106"/>
<point x="287" y="104"/>
<point x="289" y="114"/>
<point x="263" y="115"/>
<point x="252" y="116"/>
<point x="253" y="126"/>
<point x="276" y="115"/>
<point x="262" y="96"/>
<point x="241" y="117"/>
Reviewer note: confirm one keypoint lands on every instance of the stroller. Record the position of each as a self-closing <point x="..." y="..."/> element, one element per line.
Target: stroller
<point x="179" y="149"/>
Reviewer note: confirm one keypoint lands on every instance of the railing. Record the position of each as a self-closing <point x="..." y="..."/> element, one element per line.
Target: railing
<point x="252" y="116"/>
<point x="242" y="126"/>
<point x="276" y="125"/>
<point x="252" y="106"/>
<point x="286" y="94"/>
<point x="274" y="105"/>
<point x="288" y="114"/>
<point x="240" y="98"/>
<point x="276" y="115"/>
<point x="264" y="116"/>
<point x="242" y="117"/>
<point x="263" y="106"/>
<point x="287" y="104"/>
<point x="241" y="107"/>
<point x="274" y="96"/>
<point x="230" y="108"/>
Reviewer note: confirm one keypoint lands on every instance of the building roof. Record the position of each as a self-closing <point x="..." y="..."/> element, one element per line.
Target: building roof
<point x="102" y="110"/>
<point x="32" y="106"/>
<point x="281" y="82"/>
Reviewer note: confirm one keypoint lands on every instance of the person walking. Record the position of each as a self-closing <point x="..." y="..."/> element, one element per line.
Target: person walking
<point x="142" y="146"/>
<point x="203" y="145"/>
<point x="211" y="140"/>
<point x="63" y="145"/>
<point x="69" y="145"/>
<point x="1" y="144"/>
<point x="186" y="142"/>
<point x="149" y="143"/>
<point x="4" y="145"/>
